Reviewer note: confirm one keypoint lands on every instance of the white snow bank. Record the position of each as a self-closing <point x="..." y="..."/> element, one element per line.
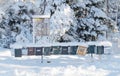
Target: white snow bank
<point x="5" y="52"/>
<point x="61" y="66"/>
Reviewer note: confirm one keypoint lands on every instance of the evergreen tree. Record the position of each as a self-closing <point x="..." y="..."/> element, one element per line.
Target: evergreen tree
<point x="18" y="22"/>
<point x="92" y="22"/>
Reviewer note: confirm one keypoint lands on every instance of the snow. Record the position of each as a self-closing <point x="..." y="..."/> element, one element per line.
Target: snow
<point x="60" y="65"/>
<point x="61" y="20"/>
<point x="98" y="43"/>
<point x="41" y="16"/>
<point x="17" y="46"/>
<point x="98" y="13"/>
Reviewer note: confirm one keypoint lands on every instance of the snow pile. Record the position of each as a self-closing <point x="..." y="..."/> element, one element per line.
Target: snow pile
<point x="60" y="65"/>
<point x="4" y="52"/>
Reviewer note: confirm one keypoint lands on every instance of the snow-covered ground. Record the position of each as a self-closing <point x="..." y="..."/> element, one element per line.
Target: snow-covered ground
<point x="60" y="65"/>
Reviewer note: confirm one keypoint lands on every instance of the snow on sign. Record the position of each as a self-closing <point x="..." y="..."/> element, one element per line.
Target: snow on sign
<point x="40" y="26"/>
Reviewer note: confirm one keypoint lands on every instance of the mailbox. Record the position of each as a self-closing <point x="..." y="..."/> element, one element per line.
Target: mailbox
<point x="100" y="49"/>
<point x="64" y="50"/>
<point x="18" y="52"/>
<point x="39" y="51"/>
<point x="55" y="50"/>
<point x="73" y="50"/>
<point x="91" y="49"/>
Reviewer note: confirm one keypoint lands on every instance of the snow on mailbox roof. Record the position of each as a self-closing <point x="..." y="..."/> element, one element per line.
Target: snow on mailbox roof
<point x="97" y="43"/>
<point x="105" y="43"/>
<point x="41" y="16"/>
<point x="101" y="43"/>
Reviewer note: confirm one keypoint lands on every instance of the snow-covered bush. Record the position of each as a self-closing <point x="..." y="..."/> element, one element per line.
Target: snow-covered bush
<point x="17" y="21"/>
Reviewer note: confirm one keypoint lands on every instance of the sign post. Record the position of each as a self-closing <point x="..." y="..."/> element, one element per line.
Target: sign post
<point x="40" y="28"/>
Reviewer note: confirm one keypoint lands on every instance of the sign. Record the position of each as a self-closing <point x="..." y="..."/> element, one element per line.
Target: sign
<point x="40" y="26"/>
<point x="82" y="50"/>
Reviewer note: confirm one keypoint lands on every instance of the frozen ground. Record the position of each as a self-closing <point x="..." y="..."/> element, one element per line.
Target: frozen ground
<point x="60" y="65"/>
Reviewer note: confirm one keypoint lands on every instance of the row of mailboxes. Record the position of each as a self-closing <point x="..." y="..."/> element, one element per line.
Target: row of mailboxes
<point x="54" y="50"/>
<point x="62" y="50"/>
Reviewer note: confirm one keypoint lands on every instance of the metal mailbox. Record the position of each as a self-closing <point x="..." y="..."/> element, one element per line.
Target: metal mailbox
<point x="31" y="51"/>
<point x="47" y="50"/>
<point x="100" y="50"/>
<point x="73" y="50"/>
<point x="91" y="49"/>
<point x="64" y="50"/>
<point x="39" y="51"/>
<point x="55" y="50"/>
<point x="18" y="53"/>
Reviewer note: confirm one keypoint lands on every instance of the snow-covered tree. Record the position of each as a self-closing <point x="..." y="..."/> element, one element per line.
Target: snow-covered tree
<point x="17" y="22"/>
<point x="113" y="11"/>
<point x="92" y="22"/>
<point x="71" y="20"/>
<point x="62" y="16"/>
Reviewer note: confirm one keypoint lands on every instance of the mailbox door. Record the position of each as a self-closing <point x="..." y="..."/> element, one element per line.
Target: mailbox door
<point x="18" y="52"/>
<point x="100" y="49"/>
<point x="64" y="50"/>
<point x="39" y="51"/>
